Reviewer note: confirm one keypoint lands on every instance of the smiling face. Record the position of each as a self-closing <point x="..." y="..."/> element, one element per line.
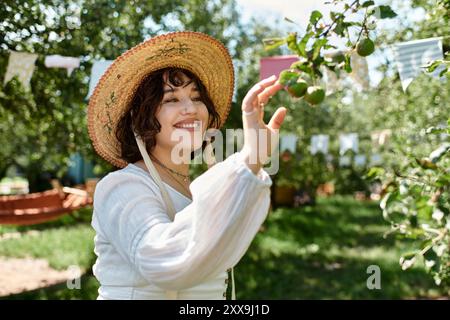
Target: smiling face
<point x="169" y="104"/>
<point x="182" y="114"/>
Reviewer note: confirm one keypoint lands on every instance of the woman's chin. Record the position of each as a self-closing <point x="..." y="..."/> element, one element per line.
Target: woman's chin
<point x="187" y="148"/>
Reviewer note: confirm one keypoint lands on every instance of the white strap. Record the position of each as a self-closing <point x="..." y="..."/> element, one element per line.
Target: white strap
<point x="151" y="168"/>
<point x="211" y="161"/>
<point x="233" y="292"/>
<point x="172" y="294"/>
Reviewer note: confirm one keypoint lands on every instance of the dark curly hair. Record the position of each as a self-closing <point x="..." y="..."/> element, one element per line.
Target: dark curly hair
<point x="143" y="107"/>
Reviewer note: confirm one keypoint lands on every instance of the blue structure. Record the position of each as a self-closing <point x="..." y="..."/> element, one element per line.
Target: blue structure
<point x="80" y="169"/>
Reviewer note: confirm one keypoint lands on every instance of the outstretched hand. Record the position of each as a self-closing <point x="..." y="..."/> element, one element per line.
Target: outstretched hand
<point x="260" y="139"/>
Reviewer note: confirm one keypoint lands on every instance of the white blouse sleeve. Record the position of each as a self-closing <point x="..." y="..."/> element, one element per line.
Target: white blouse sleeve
<point x="207" y="237"/>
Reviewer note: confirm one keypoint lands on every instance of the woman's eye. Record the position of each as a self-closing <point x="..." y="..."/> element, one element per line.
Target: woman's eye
<point x="173" y="100"/>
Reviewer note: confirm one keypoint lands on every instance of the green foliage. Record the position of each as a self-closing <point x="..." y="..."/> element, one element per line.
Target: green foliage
<point x="417" y="204"/>
<point x="43" y="127"/>
<point x="416" y="177"/>
<point x="310" y="46"/>
<point x="434" y="24"/>
<point x="417" y="198"/>
<point x="332" y="117"/>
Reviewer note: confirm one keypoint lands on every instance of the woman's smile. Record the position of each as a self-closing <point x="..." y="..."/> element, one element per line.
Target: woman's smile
<point x="189" y="124"/>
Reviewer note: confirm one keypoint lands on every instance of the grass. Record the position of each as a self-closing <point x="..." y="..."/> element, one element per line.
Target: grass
<point x="323" y="252"/>
<point x="319" y="252"/>
<point x="63" y="243"/>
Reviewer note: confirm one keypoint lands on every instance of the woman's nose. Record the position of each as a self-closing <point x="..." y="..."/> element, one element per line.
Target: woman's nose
<point x="189" y="106"/>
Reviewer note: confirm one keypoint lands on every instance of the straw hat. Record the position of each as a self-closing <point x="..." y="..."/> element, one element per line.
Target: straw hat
<point x="199" y="53"/>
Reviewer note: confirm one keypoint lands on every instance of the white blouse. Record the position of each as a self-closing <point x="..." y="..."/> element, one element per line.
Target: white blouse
<point x="141" y="253"/>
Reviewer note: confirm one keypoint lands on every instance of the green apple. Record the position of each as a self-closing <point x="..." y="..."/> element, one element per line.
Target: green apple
<point x="298" y="89"/>
<point x="288" y="77"/>
<point x="365" y="47"/>
<point x="314" y="95"/>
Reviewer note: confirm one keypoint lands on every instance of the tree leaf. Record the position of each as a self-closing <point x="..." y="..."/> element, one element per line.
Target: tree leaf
<point x="315" y="16"/>
<point x="348" y="65"/>
<point x="367" y="4"/>
<point x="302" y="66"/>
<point x="386" y="12"/>
<point x="375" y="173"/>
<point x="273" y="43"/>
<point x="444" y="72"/>
<point x="443" y="180"/>
<point x="339" y="28"/>
<point x="433" y="65"/>
<point x="424" y="211"/>
<point x="329" y="46"/>
<point x="317" y="46"/>
<point x="302" y="44"/>
<point x="334" y="16"/>
<point x="291" y="41"/>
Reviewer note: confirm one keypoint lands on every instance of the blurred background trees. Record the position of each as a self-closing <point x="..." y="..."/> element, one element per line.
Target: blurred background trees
<point x="42" y="129"/>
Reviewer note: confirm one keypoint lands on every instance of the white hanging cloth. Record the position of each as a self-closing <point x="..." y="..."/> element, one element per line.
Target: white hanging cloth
<point x="319" y="143"/>
<point x="360" y="160"/>
<point x="288" y="142"/>
<point x="58" y="61"/>
<point x="348" y="141"/>
<point x="98" y="69"/>
<point x="20" y="64"/>
<point x="411" y="56"/>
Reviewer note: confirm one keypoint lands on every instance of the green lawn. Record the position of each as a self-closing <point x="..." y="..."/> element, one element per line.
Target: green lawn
<point x="319" y="252"/>
<point x="323" y="252"/>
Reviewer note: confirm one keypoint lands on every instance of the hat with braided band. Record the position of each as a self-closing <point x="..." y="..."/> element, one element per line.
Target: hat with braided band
<point x="199" y="53"/>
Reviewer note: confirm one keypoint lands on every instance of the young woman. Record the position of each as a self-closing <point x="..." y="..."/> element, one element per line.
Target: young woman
<point x="159" y="236"/>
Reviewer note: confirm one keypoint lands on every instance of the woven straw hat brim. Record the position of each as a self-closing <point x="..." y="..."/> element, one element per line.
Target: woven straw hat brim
<point x="199" y="53"/>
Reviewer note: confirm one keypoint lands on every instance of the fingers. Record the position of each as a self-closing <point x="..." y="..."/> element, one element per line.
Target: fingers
<point x="277" y="118"/>
<point x="264" y="96"/>
<point x="252" y="95"/>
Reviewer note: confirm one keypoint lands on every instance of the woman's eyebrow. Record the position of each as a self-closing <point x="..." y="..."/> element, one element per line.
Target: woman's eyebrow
<point x="171" y="89"/>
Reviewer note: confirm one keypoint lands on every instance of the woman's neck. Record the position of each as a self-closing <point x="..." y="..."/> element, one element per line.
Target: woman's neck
<point x="165" y="157"/>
